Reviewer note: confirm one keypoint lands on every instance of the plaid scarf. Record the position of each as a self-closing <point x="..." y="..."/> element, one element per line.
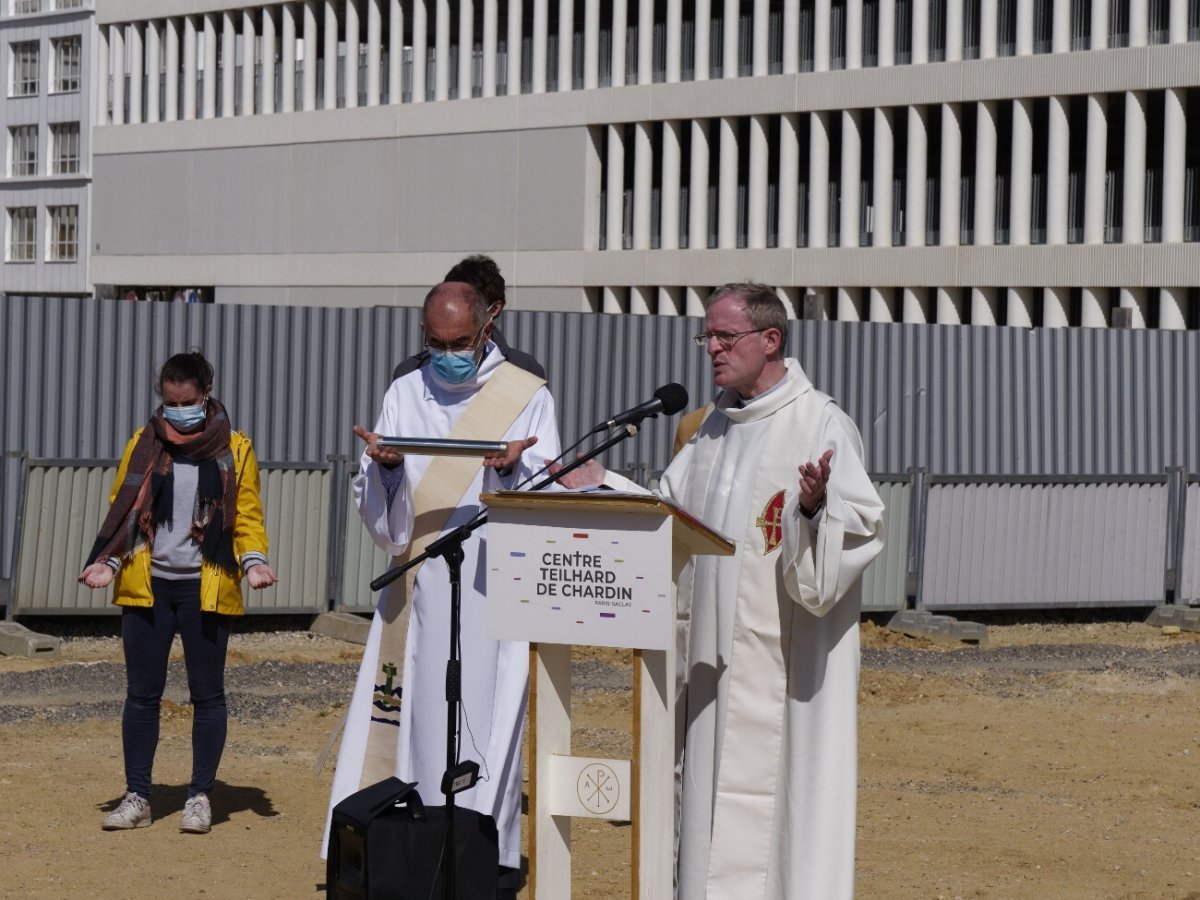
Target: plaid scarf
<point x="146" y="497"/>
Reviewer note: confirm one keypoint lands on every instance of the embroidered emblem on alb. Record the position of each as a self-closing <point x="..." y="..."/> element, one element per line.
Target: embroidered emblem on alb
<point x="386" y="701"/>
<point x="771" y="523"/>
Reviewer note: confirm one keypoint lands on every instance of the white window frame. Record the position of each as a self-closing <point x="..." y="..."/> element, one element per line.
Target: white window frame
<point x="62" y="239"/>
<point x="22" y="138"/>
<point x="19" y="84"/>
<point x="68" y="57"/>
<point x="64" y="148"/>
<point x="21" y="220"/>
<point x="68" y="4"/>
<point x="25" y="7"/>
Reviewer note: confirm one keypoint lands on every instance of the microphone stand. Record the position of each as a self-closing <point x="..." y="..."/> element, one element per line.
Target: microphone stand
<point x="450" y="548"/>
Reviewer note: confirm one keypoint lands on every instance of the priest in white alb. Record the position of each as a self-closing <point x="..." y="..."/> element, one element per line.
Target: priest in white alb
<point x="767" y="639"/>
<point x="466" y="391"/>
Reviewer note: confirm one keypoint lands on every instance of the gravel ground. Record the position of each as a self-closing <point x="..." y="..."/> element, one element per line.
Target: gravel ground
<point x="259" y="692"/>
<point x="1058" y="760"/>
<point x="1182" y="660"/>
<point x="89" y="681"/>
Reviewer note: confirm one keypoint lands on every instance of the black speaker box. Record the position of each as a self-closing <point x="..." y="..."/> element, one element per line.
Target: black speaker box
<point x="385" y="844"/>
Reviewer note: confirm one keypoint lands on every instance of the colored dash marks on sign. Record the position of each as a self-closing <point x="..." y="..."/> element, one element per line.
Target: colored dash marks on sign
<point x="608" y="615"/>
<point x="580" y="534"/>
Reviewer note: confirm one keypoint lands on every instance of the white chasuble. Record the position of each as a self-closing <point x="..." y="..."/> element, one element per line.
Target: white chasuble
<point x="495" y="674"/>
<point x="768" y="650"/>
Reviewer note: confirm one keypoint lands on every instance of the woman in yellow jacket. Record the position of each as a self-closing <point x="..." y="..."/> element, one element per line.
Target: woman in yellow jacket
<point x="184" y="524"/>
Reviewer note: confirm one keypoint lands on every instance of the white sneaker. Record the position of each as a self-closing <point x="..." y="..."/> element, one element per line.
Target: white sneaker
<point x="197" y="815"/>
<point x="134" y="812"/>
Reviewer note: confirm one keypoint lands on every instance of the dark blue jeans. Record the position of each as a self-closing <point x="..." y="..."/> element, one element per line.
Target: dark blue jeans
<point x="147" y="633"/>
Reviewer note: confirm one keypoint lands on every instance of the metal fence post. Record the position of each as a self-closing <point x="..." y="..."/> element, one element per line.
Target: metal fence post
<point x="914" y="561"/>
<point x="336" y="551"/>
<point x="1176" y="511"/>
<point x="10" y="602"/>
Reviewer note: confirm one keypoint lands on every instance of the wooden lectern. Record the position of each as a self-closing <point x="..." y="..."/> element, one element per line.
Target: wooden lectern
<point x="594" y="568"/>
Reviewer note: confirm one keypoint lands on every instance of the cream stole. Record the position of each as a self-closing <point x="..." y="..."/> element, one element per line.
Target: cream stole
<point x="488" y="416"/>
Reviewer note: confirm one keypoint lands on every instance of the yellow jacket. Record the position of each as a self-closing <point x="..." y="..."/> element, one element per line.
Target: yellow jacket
<point x="220" y="591"/>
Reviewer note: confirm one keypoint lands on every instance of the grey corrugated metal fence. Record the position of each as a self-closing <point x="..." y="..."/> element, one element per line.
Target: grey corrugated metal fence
<point x="65" y="501"/>
<point x="1189" y="576"/>
<point x="62" y="505"/>
<point x="1010" y="543"/>
<point x="952" y="542"/>
<point x="76" y="378"/>
<point x="361" y="560"/>
<point x="297" y="503"/>
<point x="884" y="584"/>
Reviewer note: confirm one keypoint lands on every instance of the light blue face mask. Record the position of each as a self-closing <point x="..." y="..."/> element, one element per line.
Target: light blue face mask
<point x="185" y="418"/>
<point x="454" y="366"/>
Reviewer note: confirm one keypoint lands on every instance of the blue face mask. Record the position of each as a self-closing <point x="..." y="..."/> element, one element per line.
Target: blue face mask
<point x="454" y="366"/>
<point x="185" y="418"/>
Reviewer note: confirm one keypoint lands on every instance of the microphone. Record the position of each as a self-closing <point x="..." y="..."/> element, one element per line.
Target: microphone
<point x="668" y="400"/>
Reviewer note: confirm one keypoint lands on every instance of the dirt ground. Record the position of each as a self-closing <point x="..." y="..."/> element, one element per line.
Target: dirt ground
<point x="1057" y="761"/>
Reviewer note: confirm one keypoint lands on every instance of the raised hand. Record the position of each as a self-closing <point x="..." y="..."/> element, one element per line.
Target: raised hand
<point x="813" y="478"/>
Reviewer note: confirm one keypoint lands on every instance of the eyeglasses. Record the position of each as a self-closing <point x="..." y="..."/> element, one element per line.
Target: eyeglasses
<point x="458" y="345"/>
<point x="726" y="339"/>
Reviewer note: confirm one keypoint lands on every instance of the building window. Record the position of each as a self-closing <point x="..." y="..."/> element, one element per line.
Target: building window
<point x="66" y="63"/>
<point x="64" y="233"/>
<point x="1081" y="24"/>
<point x="65" y="136"/>
<point x="1160" y="19"/>
<point x="807" y="34"/>
<point x="903" y="32"/>
<point x="837" y="34"/>
<point x="937" y="30"/>
<point x="1006" y="26"/>
<point x="971" y="24"/>
<point x="69" y="4"/>
<point x="870" y="33"/>
<point x="20" y="7"/>
<point x="24" y="69"/>
<point x="1043" y="26"/>
<point x="22" y="234"/>
<point x="1191" y="171"/>
<point x="24" y="157"/>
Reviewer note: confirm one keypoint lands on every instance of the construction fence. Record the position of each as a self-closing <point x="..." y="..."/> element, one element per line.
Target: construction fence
<point x="953" y="542"/>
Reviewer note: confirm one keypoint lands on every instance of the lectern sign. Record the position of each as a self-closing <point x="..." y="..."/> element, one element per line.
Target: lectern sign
<point x="553" y="579"/>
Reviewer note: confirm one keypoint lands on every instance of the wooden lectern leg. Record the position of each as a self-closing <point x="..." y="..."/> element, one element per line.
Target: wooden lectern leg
<point x="653" y="787"/>
<point x="549" y="734"/>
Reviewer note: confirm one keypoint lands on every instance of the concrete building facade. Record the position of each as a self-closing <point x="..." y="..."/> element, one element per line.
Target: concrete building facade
<point x="46" y="54"/>
<point x="995" y="162"/>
